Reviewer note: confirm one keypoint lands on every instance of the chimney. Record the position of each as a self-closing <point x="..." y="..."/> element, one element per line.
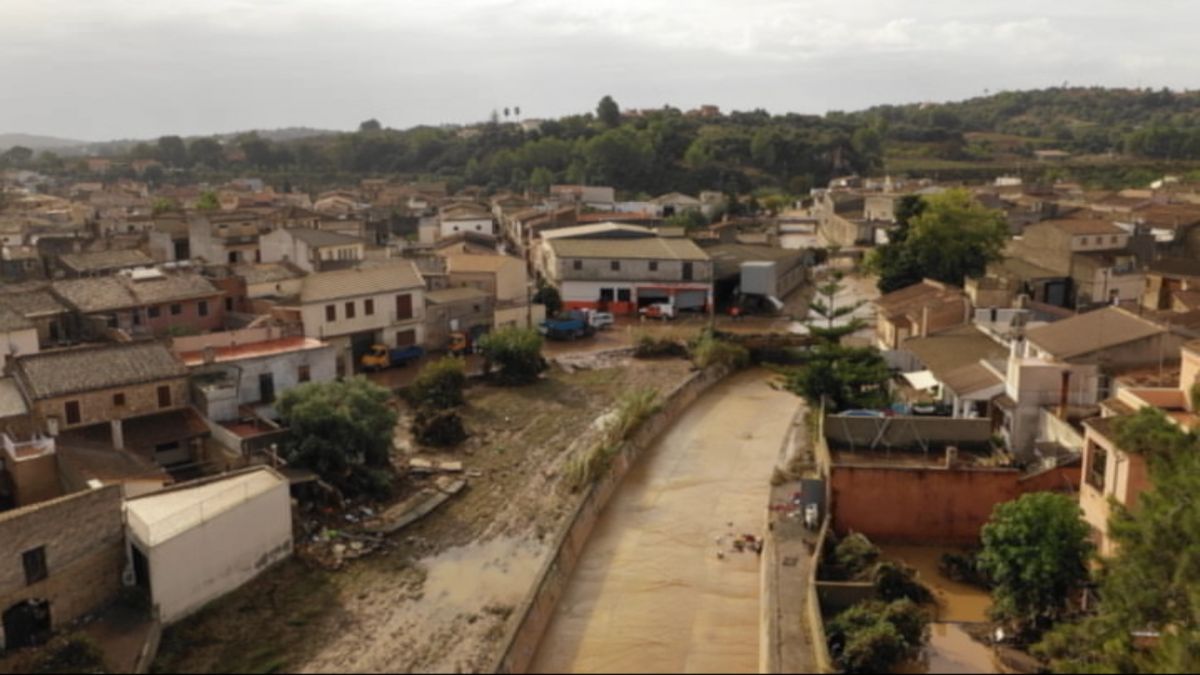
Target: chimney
<point x="925" y="321"/>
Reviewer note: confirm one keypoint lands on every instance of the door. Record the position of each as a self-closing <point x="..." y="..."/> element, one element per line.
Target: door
<point x="266" y="388"/>
<point x="141" y="569"/>
<point x="404" y="307"/>
<point x="406" y="338"/>
<point x="691" y="299"/>
<point x="27" y="624"/>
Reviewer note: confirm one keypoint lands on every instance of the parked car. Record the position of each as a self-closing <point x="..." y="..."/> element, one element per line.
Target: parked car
<point x="602" y="320"/>
<point x="568" y="326"/>
<point x="659" y="310"/>
<point x="381" y="356"/>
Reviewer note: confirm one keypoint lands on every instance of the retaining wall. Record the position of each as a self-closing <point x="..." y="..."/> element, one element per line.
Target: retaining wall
<point x="536" y="610"/>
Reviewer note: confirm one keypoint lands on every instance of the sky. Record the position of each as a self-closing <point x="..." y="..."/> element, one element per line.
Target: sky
<point x="105" y="69"/>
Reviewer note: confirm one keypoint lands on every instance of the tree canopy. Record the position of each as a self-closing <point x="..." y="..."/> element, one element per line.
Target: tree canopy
<point x="1035" y="551"/>
<point x="341" y="430"/>
<point x="608" y="112"/>
<point x="517" y="352"/>
<point x="950" y="238"/>
<point x="1152" y="584"/>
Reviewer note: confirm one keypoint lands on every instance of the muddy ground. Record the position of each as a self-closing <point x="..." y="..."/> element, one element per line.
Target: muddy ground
<point x="440" y="595"/>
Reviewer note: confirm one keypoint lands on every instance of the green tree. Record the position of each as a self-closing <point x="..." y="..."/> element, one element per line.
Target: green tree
<point x="952" y="237"/>
<point x="517" y="352"/>
<point x="206" y="152"/>
<point x="874" y="637"/>
<point x="208" y="201"/>
<point x="1152" y="583"/>
<point x="846" y="377"/>
<point x="540" y="180"/>
<point x="172" y="151"/>
<point x="17" y="155"/>
<point x="825" y="310"/>
<point x="342" y="431"/>
<point x="370" y="125"/>
<point x="164" y="205"/>
<point x="691" y="219"/>
<point x="1035" y="551"/>
<point x="549" y="296"/>
<point x="894" y="261"/>
<point x="608" y="112"/>
<point x="440" y="384"/>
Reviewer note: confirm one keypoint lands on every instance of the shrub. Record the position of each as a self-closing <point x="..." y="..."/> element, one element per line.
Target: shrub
<point x="633" y="409"/>
<point x="710" y="351"/>
<point x="894" y="581"/>
<point x="855" y="556"/>
<point x="649" y="346"/>
<point x="872" y="637"/>
<point x="439" y="428"/>
<point x="440" y="384"/>
<point x="518" y="353"/>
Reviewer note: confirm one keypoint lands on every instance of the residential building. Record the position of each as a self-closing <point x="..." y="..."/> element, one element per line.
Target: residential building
<point x="251" y="368"/>
<point x="503" y="278"/>
<point x="919" y="310"/>
<point x="139" y="399"/>
<point x="62" y="560"/>
<point x="18" y="336"/>
<point x="597" y="197"/>
<point x="101" y="263"/>
<point x="226" y="237"/>
<point x="1075" y="263"/>
<point x="145" y="302"/>
<point x="463" y="309"/>
<point x="49" y="316"/>
<point x="173" y="535"/>
<point x="312" y="250"/>
<point x="674" y="203"/>
<point x="967" y="365"/>
<point x="358" y="308"/>
<point x="472" y="218"/>
<point x="621" y="275"/>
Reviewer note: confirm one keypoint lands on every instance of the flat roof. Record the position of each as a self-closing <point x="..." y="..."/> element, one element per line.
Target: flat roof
<point x="162" y="516"/>
<point x="253" y="350"/>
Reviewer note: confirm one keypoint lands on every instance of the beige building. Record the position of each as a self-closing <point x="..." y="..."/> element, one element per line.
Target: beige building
<point x="917" y="311"/>
<point x="312" y="250"/>
<point x="504" y="278"/>
<point x="354" y="309"/>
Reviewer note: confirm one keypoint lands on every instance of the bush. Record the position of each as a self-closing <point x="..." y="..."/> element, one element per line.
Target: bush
<point x="439" y="428"/>
<point x="649" y="346"/>
<point x="894" y="581"/>
<point x="855" y="556"/>
<point x="78" y="655"/>
<point x="440" y="384"/>
<point x="709" y="351"/>
<point x="873" y="637"/>
<point x="634" y="408"/>
<point x="518" y="353"/>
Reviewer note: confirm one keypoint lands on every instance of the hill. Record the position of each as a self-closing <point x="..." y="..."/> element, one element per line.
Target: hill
<point x="35" y="142"/>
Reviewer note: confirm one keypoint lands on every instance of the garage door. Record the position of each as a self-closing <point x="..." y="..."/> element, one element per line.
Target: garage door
<point x="649" y="296"/>
<point x="691" y="299"/>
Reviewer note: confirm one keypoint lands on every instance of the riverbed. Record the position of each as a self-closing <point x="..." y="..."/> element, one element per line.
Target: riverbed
<point x="650" y="593"/>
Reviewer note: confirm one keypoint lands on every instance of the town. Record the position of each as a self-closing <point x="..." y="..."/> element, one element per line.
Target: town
<point x="407" y="424"/>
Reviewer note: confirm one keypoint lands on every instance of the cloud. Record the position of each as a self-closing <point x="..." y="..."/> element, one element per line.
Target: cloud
<point x="107" y="68"/>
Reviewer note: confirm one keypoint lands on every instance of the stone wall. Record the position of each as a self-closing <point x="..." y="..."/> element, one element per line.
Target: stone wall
<point x="84" y="540"/>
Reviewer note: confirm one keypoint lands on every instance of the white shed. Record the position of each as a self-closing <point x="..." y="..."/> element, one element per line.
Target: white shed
<point x="193" y="543"/>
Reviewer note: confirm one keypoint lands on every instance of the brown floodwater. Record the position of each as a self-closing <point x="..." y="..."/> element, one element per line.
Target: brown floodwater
<point x="950" y="648"/>
<point x="650" y="593"/>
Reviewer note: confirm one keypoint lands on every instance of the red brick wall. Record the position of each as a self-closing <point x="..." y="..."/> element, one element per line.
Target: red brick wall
<point x="928" y="505"/>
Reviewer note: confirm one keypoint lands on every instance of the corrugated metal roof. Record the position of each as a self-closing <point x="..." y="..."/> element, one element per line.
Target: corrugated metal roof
<point x="655" y="248"/>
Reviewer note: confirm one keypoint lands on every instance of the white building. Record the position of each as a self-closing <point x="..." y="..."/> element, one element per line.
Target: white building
<point x="195" y="542"/>
<point x="460" y="218"/>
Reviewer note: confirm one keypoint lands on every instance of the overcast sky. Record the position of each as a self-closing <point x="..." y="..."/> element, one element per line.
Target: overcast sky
<point x="104" y="69"/>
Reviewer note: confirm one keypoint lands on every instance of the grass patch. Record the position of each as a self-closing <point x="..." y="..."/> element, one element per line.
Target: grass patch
<point x="633" y="409"/>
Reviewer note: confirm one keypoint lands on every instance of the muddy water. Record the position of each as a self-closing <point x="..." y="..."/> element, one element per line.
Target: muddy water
<point x="650" y="593"/>
<point x="950" y="649"/>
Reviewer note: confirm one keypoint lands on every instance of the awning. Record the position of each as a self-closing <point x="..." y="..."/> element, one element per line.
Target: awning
<point x="921" y="380"/>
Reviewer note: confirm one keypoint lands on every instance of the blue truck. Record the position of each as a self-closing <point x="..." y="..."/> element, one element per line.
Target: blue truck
<point x="381" y="357"/>
<point x="568" y="326"/>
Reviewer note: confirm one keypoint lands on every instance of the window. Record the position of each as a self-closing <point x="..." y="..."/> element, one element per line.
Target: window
<point x="1115" y="239"/>
<point x="615" y="265"/>
<point x="331" y="312"/>
<point x="349" y="310"/>
<point x="687" y="271"/>
<point x="1097" y="468"/>
<point x="176" y="310"/>
<point x="203" y="307"/>
<point x="653" y="265"/>
<point x="153" y="312"/>
<point x="266" y="388"/>
<point x="233" y="257"/>
<point x="136" y="316"/>
<point x="35" y="565"/>
<point x="369" y="307"/>
<point x="72" y="413"/>
<point x="624" y="295"/>
<point x="228" y="304"/>
<point x="305" y="374"/>
<point x="164" y="396"/>
<point x="577" y="265"/>
<point x="119" y="400"/>
<point x="404" y="307"/>
<point x="606" y="295"/>
<point x="257" y="256"/>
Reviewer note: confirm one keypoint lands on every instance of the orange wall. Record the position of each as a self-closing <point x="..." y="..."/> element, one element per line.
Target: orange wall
<point x="928" y="505"/>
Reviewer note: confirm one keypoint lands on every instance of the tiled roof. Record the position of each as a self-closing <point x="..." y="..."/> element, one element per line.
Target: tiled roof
<point x="923" y="294"/>
<point x="1082" y="227"/>
<point x="1092" y="332"/>
<point x="31" y="299"/>
<point x="321" y="238"/>
<point x="105" y="260"/>
<point x="267" y="273"/>
<point x="121" y="292"/>
<point x="461" y="294"/>
<point x="655" y="248"/>
<point x="52" y="374"/>
<point x="478" y="263"/>
<point x="953" y="349"/>
<point x="366" y="280"/>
